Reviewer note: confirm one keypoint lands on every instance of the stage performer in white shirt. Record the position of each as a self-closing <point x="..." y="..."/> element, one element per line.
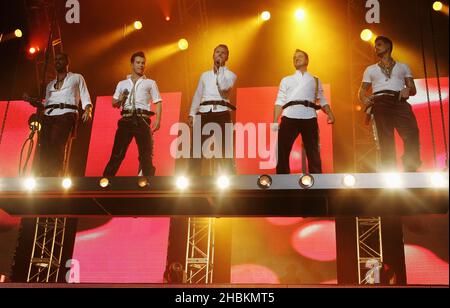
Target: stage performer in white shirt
<point x="59" y="121"/>
<point x="392" y="84"/>
<point x="134" y="96"/>
<point x="211" y="104"/>
<point x="299" y="97"/>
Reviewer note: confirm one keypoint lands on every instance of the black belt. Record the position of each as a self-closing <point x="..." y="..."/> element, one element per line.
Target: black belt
<point x="137" y="112"/>
<point x="219" y="103"/>
<point x="60" y="106"/>
<point x="394" y="97"/>
<point x="303" y="103"/>
<point x="387" y="93"/>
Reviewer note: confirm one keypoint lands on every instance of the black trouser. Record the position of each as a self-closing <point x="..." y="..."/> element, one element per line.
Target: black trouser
<point x="55" y="134"/>
<point x="391" y="114"/>
<point x="129" y="128"/>
<point x="289" y="131"/>
<point x="225" y="165"/>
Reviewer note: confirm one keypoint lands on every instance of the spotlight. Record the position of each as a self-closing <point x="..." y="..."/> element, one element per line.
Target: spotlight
<point x="265" y="181"/>
<point x="143" y="183"/>
<point x="66" y="183"/>
<point x="306" y="181"/>
<point x="182" y="183"/>
<point x="438" y="180"/>
<point x="30" y="184"/>
<point x="437" y="6"/>
<point x="183" y="44"/>
<point x="223" y="182"/>
<point x="168" y="18"/>
<point x="32" y="50"/>
<point x="366" y="35"/>
<point x="137" y="25"/>
<point x="393" y="180"/>
<point x="18" y="33"/>
<point x="104" y="182"/>
<point x="265" y="16"/>
<point x="300" y="14"/>
<point x="349" y="181"/>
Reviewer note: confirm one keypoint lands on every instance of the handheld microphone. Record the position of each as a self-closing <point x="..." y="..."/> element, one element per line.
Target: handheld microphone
<point x="125" y="94"/>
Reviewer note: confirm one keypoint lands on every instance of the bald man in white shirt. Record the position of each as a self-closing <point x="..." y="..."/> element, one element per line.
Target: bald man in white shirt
<point x="299" y="97"/>
<point x="392" y="84"/>
<point x="60" y="117"/>
<point x="211" y="104"/>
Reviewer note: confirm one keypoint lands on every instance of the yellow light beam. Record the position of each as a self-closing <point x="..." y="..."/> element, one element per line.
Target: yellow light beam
<point x="161" y="53"/>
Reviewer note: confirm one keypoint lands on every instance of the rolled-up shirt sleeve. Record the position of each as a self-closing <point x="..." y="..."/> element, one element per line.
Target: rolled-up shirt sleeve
<point x="367" y="78"/>
<point x="118" y="91"/>
<point x="225" y="79"/>
<point x="408" y="72"/>
<point x="282" y="94"/>
<point x="84" y="93"/>
<point x="197" y="99"/>
<point x="48" y="91"/>
<point x="321" y="94"/>
<point x="156" y="95"/>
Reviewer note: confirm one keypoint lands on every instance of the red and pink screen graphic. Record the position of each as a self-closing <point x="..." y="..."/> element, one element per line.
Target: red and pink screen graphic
<point x="433" y="124"/>
<point x="126" y="250"/>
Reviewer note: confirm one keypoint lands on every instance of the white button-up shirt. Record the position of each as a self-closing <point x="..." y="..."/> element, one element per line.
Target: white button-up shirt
<point x="72" y="91"/>
<point x="213" y="87"/>
<point x="300" y="87"/>
<point x="374" y="75"/>
<point x="140" y="95"/>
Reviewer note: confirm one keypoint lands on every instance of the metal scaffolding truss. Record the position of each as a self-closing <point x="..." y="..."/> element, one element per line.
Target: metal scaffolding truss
<point x="200" y="240"/>
<point x="366" y="154"/>
<point x="193" y="10"/>
<point x="45" y="261"/>
<point x="370" y="249"/>
<point x="48" y="244"/>
<point x="43" y="15"/>
<point x="200" y="250"/>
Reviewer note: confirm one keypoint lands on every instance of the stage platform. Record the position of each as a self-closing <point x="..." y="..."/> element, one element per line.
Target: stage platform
<point x="329" y="195"/>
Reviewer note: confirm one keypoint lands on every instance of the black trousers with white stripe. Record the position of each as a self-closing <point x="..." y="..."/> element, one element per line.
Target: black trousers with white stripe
<point x="391" y="115"/>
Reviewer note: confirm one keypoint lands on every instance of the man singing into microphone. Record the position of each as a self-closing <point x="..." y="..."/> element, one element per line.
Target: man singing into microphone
<point x="60" y="118"/>
<point x="135" y="95"/>
<point x="211" y="104"/>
